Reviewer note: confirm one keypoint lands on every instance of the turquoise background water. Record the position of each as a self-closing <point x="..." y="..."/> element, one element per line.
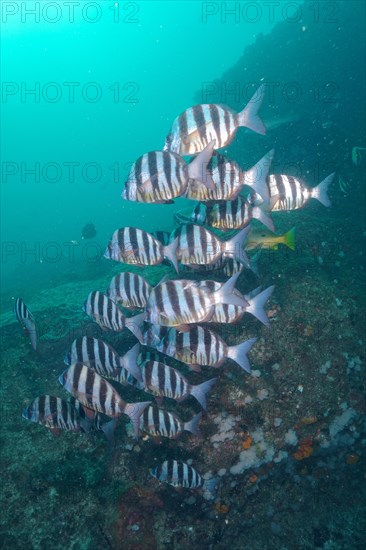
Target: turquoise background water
<point x="161" y="52"/>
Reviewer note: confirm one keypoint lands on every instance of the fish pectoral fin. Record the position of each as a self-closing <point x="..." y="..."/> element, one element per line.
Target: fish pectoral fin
<point x="182" y="328"/>
<point x="273" y="200"/>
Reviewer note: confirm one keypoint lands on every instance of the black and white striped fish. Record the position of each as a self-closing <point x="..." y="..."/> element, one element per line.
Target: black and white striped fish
<point x="199" y="246"/>
<point x="101" y="357"/>
<point x="108" y="316"/>
<point x="26" y="319"/>
<point x="230" y="180"/>
<point x="160" y="423"/>
<point x="163" y="381"/>
<point x="229" y="314"/>
<point x="130" y="290"/>
<point x="99" y="395"/>
<point x="134" y="246"/>
<point x="202" y="347"/>
<point x="229" y="215"/>
<point x="224" y="267"/>
<point x="55" y="413"/>
<point x="180" y="474"/>
<point x="183" y="302"/>
<point x="160" y="176"/>
<point x="196" y="127"/>
<point x="290" y="193"/>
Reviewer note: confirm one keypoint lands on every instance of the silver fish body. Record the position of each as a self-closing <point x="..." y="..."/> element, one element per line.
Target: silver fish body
<point x="134" y="246"/>
<point x="197" y="126"/>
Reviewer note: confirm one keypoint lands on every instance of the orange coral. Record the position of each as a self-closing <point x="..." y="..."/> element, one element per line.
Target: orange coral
<point x="352" y="459"/>
<point x="247" y="442"/>
<point x="305" y="449"/>
<point x="221" y="508"/>
<point x="253" y="478"/>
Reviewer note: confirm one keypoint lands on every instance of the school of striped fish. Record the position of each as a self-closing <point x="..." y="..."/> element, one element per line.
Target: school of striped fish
<point x="168" y="317"/>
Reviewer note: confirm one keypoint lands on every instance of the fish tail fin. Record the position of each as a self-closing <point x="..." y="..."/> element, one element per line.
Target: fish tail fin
<point x="200" y="391"/>
<point x="254" y="262"/>
<point x="86" y="424"/>
<point x="227" y="294"/>
<point x="249" y="117"/>
<point x="256" y="305"/>
<point x="193" y="425"/>
<point x="170" y="252"/>
<point x="31" y="328"/>
<point x="210" y="486"/>
<point x="289" y="238"/>
<point x="320" y="192"/>
<point x="108" y="429"/>
<point x="134" y="411"/>
<point x="263" y="217"/>
<point x="239" y="353"/>
<point x="135" y="323"/>
<point x="235" y="247"/>
<point x="197" y="169"/>
<point x="129" y="362"/>
<point x="256" y="177"/>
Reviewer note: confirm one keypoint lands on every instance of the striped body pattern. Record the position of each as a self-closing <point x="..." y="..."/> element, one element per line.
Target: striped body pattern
<point x="158" y="176"/>
<point x="130" y="290"/>
<point x="21" y="311"/>
<point x="92" y="390"/>
<point x="234" y="214"/>
<point x="95" y="353"/>
<point x="179" y="302"/>
<point x="53" y="412"/>
<point x="158" y="422"/>
<point x="292" y="193"/>
<point x="104" y="311"/>
<point x="134" y="246"/>
<point x="197" y="245"/>
<point x="224" y="266"/>
<point x="178" y="474"/>
<point x="197" y="126"/>
<point x="197" y="346"/>
<point x="163" y="381"/>
<point x="26" y="319"/>
<point x="227" y="176"/>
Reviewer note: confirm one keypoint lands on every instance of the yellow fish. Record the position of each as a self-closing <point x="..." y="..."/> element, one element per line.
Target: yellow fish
<point x="265" y="239"/>
<point x="357" y="154"/>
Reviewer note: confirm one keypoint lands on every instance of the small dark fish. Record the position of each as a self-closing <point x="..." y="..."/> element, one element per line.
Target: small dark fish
<point x="108" y="316"/>
<point x="160" y="176"/>
<point x="179" y="474"/>
<point x="101" y="357"/>
<point x="183" y="302"/>
<point x="134" y="246"/>
<point x="162" y="236"/>
<point x="230" y="180"/>
<point x="130" y="290"/>
<point x="99" y="395"/>
<point x="95" y="420"/>
<point x="88" y="231"/>
<point x="160" y="423"/>
<point x="26" y="319"/>
<point x="196" y="127"/>
<point x="54" y="413"/>
<point x="290" y="193"/>
<point x="163" y="381"/>
<point x="202" y="347"/>
<point x="199" y="246"/>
